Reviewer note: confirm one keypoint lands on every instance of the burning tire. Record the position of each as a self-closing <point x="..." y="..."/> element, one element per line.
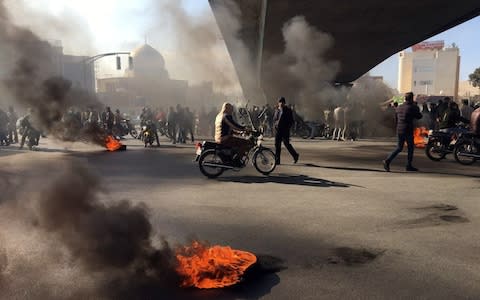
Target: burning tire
<point x="462" y="149"/>
<point x="210" y="157"/>
<point x="264" y="161"/>
<point x="435" y="151"/>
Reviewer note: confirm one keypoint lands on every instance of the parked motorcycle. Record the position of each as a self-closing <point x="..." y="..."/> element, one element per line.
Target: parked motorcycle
<point x="126" y="127"/>
<point x="316" y="129"/>
<point x="467" y="149"/>
<point x="214" y="159"/>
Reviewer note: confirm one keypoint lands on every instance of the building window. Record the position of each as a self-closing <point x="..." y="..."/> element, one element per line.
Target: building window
<point x="426" y="82"/>
<point x="424" y="69"/>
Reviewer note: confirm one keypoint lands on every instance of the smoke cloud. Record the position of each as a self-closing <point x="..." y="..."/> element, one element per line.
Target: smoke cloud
<point x="104" y="237"/>
<point x="301" y="72"/>
<point x="199" y="48"/>
<point x="304" y="75"/>
<point x="111" y="243"/>
<point x="33" y="80"/>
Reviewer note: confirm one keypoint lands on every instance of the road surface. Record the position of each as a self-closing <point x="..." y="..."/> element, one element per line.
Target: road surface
<point x="336" y="225"/>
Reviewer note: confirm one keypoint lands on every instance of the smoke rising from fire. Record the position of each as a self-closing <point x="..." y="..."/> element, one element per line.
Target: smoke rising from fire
<point x="32" y="78"/>
<point x="305" y="75"/>
<point x="110" y="242"/>
<point x="199" y="48"/>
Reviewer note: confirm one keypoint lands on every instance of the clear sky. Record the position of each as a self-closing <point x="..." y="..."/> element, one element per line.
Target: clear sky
<point x="466" y="36"/>
<point x="115" y="25"/>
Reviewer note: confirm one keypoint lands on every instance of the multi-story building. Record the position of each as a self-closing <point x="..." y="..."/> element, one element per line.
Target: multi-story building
<point x="430" y="69"/>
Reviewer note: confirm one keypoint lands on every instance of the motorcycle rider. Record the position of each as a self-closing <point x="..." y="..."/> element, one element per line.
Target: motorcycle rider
<point x="475" y="122"/>
<point x="149" y="120"/>
<point x="225" y="126"/>
<point x="451" y="117"/>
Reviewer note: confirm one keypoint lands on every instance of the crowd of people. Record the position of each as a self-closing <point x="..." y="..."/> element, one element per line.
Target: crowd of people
<point x="445" y="116"/>
<point x="181" y="124"/>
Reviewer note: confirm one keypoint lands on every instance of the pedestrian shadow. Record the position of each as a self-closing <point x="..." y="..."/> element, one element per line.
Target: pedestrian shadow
<point x="301" y="180"/>
<point x="345" y="168"/>
<point x="422" y="171"/>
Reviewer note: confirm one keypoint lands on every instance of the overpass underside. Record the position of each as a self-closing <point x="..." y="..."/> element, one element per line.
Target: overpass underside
<point x="365" y="32"/>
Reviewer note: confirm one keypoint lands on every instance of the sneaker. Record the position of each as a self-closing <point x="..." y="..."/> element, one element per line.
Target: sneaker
<point x="411" y="169"/>
<point x="386" y="165"/>
<point x="295" y="159"/>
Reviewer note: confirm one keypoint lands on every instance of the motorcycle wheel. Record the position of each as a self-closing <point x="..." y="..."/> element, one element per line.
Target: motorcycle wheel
<point x="433" y="151"/>
<point x="210" y="156"/>
<point x="264" y="160"/>
<point x="133" y="133"/>
<point x="467" y="148"/>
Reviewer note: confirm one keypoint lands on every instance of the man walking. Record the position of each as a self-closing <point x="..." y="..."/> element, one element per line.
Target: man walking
<point x="283" y="121"/>
<point x="406" y="113"/>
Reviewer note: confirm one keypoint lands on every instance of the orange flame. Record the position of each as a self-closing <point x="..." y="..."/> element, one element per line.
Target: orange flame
<point x="112" y="144"/>
<point x="212" y="267"/>
<point x="419" y="137"/>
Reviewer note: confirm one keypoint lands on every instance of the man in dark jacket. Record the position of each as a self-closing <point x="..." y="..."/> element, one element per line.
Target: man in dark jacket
<point x="407" y="113"/>
<point x="451" y="117"/>
<point x="475" y="122"/>
<point x="283" y="121"/>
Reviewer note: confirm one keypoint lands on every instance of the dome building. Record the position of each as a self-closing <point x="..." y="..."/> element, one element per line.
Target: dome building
<point x="148" y="62"/>
<point x="147" y="84"/>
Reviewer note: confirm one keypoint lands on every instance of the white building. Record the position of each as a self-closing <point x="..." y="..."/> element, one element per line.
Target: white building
<point x="430" y="69"/>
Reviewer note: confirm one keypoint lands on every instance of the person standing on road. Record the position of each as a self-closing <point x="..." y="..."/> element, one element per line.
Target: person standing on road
<point x="406" y="113"/>
<point x="12" y="125"/>
<point x="338" y="120"/>
<point x="283" y="121"/>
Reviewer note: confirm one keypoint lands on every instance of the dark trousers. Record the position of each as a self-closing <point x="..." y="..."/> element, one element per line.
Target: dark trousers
<point x="172" y="131"/>
<point x="285" y="138"/>
<point x="402" y="138"/>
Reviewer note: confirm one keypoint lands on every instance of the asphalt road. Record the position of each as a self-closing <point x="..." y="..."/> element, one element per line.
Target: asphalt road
<point x="334" y="226"/>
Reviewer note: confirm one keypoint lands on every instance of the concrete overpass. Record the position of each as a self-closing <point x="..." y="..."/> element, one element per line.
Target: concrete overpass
<point x="365" y="32"/>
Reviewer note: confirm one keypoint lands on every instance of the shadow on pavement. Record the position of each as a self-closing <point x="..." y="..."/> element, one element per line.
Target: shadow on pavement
<point x="301" y="180"/>
<point x="422" y="170"/>
<point x="345" y="168"/>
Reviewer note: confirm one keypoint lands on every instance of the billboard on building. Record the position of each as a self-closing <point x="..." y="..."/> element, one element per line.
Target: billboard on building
<point x="433" y="45"/>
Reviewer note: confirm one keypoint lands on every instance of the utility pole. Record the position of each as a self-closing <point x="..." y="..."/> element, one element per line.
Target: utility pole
<point x="93" y="59"/>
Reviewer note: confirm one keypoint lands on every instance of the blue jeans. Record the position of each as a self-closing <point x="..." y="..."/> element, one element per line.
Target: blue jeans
<point x="402" y="138"/>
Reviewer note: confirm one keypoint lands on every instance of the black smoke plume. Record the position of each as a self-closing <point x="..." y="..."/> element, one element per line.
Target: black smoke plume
<point x="107" y="238"/>
<point x="33" y="79"/>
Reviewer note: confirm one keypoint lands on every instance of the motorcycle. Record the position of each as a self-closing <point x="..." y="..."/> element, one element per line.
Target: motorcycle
<point x="467" y="149"/>
<point x="125" y="128"/>
<point x="316" y="130"/>
<point x="214" y="159"/>
<point x="148" y="133"/>
<point x="163" y="129"/>
<point x="440" y="144"/>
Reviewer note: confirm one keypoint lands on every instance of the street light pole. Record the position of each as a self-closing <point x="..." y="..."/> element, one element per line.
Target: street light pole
<point x="92" y="59"/>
